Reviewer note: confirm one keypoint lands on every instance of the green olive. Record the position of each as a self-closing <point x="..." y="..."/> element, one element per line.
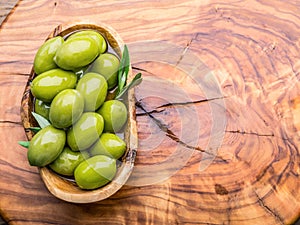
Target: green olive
<point x="45" y="146"/>
<point x="85" y="131"/>
<point x="110" y="145"/>
<point x="107" y="65"/>
<point x="100" y="40"/>
<point x="114" y="113"/>
<point x="76" y="53"/>
<point x="48" y="84"/>
<point x="67" y="161"/>
<point x="42" y="108"/>
<point x="66" y="108"/>
<point x="43" y="60"/>
<point x="93" y="88"/>
<point x="95" y="172"/>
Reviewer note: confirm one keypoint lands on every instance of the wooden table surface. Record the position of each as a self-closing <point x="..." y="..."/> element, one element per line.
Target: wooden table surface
<point x="218" y="112"/>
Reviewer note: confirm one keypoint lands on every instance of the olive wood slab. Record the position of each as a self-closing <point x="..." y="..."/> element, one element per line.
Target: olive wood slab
<point x="246" y="88"/>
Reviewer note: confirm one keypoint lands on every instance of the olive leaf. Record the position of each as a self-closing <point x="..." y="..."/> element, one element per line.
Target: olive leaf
<point x="123" y="74"/>
<point x="135" y="81"/>
<point x="35" y="129"/>
<point x="24" y="143"/>
<point x="42" y="121"/>
<point x="123" y="69"/>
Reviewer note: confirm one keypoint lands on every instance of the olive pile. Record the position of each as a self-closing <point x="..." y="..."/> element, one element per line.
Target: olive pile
<point x="72" y="82"/>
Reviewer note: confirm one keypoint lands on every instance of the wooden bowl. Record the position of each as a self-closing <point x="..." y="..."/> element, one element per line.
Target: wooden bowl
<point x="64" y="188"/>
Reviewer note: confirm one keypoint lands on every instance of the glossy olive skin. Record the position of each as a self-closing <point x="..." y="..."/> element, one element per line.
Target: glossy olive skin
<point x="43" y="60"/>
<point x="76" y="53"/>
<point x="45" y="146"/>
<point x="93" y="88"/>
<point x="107" y="65"/>
<point x="95" y="172"/>
<point x="110" y="145"/>
<point x="85" y="131"/>
<point x="100" y="40"/>
<point x="67" y="161"/>
<point x="66" y="108"/>
<point x="48" y="84"/>
<point x="42" y="108"/>
<point x="114" y="113"/>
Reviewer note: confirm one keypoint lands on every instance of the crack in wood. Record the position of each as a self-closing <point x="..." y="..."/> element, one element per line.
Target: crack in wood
<point x="186" y="49"/>
<point x="173" y="136"/>
<point x="150" y="112"/>
<point x="189" y="102"/>
<point x="142" y="70"/>
<point x="167" y="131"/>
<point x="254" y="133"/>
<point x="170" y="105"/>
<point x="268" y="209"/>
<point x="249" y="133"/>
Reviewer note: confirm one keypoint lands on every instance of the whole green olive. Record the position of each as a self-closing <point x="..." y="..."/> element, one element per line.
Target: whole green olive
<point x="66" y="108"/>
<point x="114" y="113"/>
<point x="85" y="131"/>
<point x="93" y="88"/>
<point x="45" y="146"/>
<point x="95" y="172"/>
<point x="67" y="161"/>
<point x="43" y="60"/>
<point x="100" y="40"/>
<point x="48" y="84"/>
<point x="107" y="65"/>
<point x="42" y="108"/>
<point x="76" y="53"/>
<point x="110" y="145"/>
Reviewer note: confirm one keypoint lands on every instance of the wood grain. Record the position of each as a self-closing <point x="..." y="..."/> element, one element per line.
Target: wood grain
<point x="250" y="49"/>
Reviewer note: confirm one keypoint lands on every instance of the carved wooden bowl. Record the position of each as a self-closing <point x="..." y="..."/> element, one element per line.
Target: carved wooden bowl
<point x="64" y="188"/>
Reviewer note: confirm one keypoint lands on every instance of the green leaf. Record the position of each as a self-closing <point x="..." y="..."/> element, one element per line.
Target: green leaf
<point x="43" y="122"/>
<point x="123" y="74"/>
<point x="123" y="80"/>
<point x="35" y="129"/>
<point x="135" y="81"/>
<point x="123" y="69"/>
<point x="24" y="143"/>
